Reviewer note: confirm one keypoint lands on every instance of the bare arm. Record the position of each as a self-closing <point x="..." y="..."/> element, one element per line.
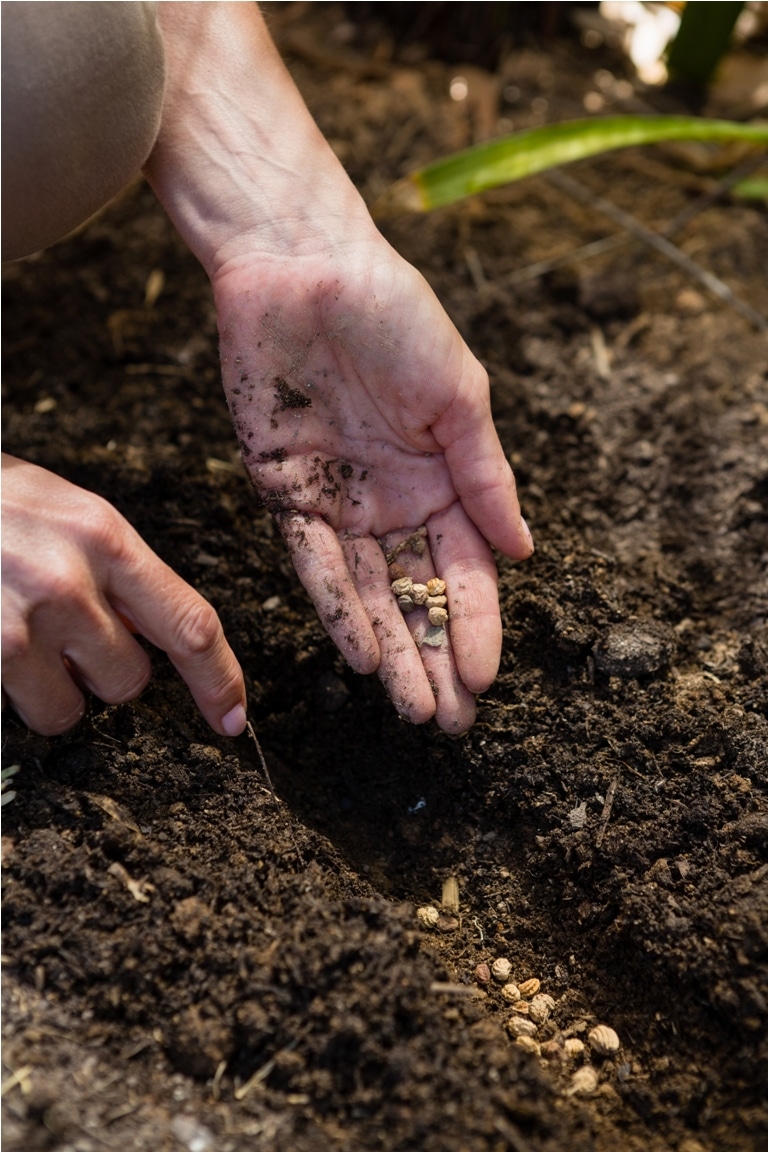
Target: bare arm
<point x="361" y="413"/>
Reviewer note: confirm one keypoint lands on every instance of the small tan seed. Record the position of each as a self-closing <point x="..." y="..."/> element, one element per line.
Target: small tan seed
<point x="419" y="593"/>
<point x="522" y="1009"/>
<point x="583" y="1082"/>
<point x="511" y="992"/>
<point x="436" y="586"/>
<point x="402" y="587"/>
<point x="573" y="1047"/>
<point x="435" y="602"/>
<point x="428" y="916"/>
<point x="483" y="974"/>
<point x="519" y="1026"/>
<point x="447" y="924"/>
<point x="603" y="1040"/>
<point x="500" y="970"/>
<point x="530" y="987"/>
<point x="438" y="617"/>
<point x="451" y="894"/>
<point x="552" y="1050"/>
<point x="541" y="1007"/>
<point x="528" y="1044"/>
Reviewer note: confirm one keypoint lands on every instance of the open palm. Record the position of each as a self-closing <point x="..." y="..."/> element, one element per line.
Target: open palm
<point x="362" y="416"/>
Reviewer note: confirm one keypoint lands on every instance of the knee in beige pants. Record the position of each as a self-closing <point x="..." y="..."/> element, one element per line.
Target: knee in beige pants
<point x="82" y="90"/>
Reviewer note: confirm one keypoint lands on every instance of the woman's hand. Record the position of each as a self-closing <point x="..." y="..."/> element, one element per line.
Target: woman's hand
<point x="363" y="416"/>
<point x="361" y="413"/>
<point x="77" y="581"/>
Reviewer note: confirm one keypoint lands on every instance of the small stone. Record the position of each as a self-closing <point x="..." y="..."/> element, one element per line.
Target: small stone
<point x="397" y="572"/>
<point x="530" y="987"/>
<point x="438" y="617"/>
<point x="436" y="586"/>
<point x="583" y="1082"/>
<point x="419" y="593"/>
<point x="483" y="974"/>
<point x="402" y="587"/>
<point x="635" y="648"/>
<point x="500" y="970"/>
<point x="603" y="1040"/>
<point x="428" y="916"/>
<point x="406" y="604"/>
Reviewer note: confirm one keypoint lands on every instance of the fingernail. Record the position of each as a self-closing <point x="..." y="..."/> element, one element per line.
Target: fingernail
<point x="234" y="722"/>
<point x="527" y="532"/>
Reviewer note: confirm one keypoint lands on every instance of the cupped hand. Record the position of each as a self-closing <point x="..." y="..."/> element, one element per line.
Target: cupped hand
<point x="362" y="416"/>
<point x="77" y="581"/>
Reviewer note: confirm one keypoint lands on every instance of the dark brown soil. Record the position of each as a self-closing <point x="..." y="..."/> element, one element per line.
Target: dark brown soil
<point x="191" y="962"/>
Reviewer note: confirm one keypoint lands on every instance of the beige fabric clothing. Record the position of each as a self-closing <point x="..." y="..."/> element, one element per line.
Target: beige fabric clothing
<point x="82" y="91"/>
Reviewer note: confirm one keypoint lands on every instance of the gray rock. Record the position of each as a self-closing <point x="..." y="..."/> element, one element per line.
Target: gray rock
<point x="635" y="648"/>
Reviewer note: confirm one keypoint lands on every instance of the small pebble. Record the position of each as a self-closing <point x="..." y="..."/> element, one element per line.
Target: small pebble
<point x="634" y="648"/>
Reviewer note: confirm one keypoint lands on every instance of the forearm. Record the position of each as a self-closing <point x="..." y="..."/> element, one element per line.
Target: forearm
<point x="239" y="160"/>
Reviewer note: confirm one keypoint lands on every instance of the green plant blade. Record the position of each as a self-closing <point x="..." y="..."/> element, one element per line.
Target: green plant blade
<point x="525" y="153"/>
<point x="754" y="189"/>
<point x="703" y="37"/>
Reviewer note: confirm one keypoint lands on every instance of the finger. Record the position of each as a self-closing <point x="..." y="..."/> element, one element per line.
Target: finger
<point x="322" y="568"/>
<point x="454" y="703"/>
<point x="401" y="670"/>
<point x="43" y="694"/>
<point x="175" y="618"/>
<point x="464" y="560"/>
<point x="481" y="473"/>
<point x="105" y="659"/>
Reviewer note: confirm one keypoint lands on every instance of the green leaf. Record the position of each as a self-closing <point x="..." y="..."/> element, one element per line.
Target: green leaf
<point x="525" y="153"/>
<point x="755" y="188"/>
<point x="703" y="37"/>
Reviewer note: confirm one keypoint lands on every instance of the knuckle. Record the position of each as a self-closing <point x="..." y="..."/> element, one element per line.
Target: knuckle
<point x="16" y="641"/>
<point x="198" y="632"/>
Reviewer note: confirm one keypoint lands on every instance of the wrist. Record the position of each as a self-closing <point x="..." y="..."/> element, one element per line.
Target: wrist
<point x="239" y="164"/>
